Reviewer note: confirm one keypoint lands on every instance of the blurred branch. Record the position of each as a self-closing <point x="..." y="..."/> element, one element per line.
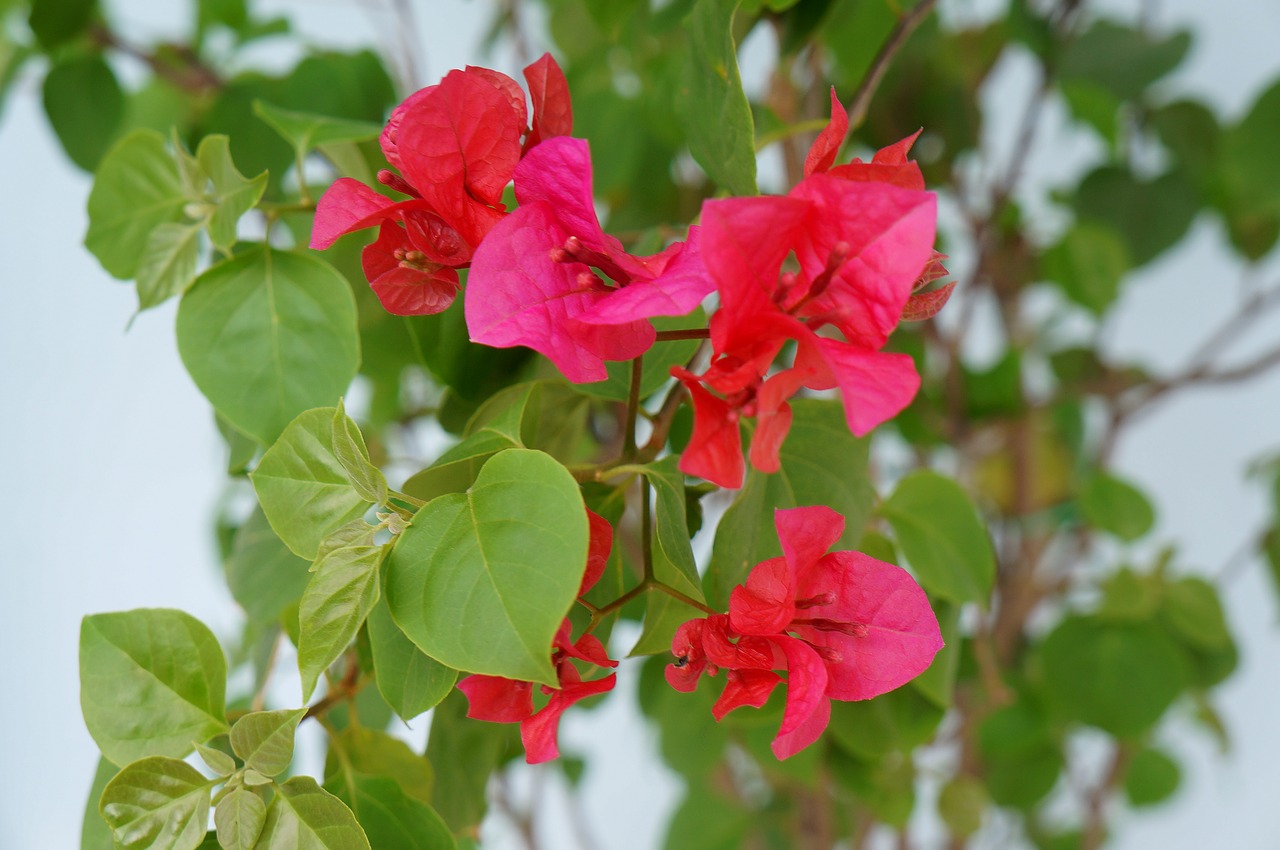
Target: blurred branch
<point x="880" y="65"/>
<point x="179" y="64"/>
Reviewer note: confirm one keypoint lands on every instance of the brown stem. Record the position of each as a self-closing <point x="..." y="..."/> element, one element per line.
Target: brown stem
<point x="688" y="333"/>
<point x="185" y="70"/>
<point x="880" y="65"/>
<point x="1095" y="828"/>
<point x="346" y="689"/>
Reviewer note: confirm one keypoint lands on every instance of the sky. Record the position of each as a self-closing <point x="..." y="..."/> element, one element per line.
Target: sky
<point x="112" y="467"/>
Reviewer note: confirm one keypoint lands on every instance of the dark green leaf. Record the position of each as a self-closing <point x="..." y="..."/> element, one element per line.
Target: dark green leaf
<point x="705" y="821"/>
<point x="655" y="369"/>
<point x="1152" y="215"/>
<point x="897" y="721"/>
<point x="391" y="818"/>
<point x="151" y="681"/>
<point x="264" y="739"/>
<point x="821" y="464"/>
<point x="410" y="680"/>
<point x="481" y="581"/>
<point x="1117" y="507"/>
<point x="57" y="21"/>
<point x="84" y="104"/>
<point x="157" y="803"/>
<point x="1119" y="677"/>
<point x="335" y="604"/>
<point x="267" y="335"/>
<point x="1250" y="176"/>
<point x="302" y="486"/>
<point x="303" y="816"/>
<point x="1088" y="264"/>
<point x="135" y="189"/>
<point x="938" y="682"/>
<point x="942" y="536"/>
<point x="264" y="576"/>
<point x="1124" y="60"/>
<point x="715" y="109"/>
<point x="239" y="818"/>
<point x="455" y="740"/>
<point x="1152" y="778"/>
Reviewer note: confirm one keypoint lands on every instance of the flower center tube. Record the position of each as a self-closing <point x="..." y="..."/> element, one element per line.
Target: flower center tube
<point x="573" y="251"/>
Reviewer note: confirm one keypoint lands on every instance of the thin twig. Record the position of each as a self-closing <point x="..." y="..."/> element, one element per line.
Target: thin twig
<point x="906" y="25"/>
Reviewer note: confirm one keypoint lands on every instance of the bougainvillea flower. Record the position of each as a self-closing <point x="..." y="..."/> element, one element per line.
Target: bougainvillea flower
<point x="859" y="248"/>
<point x="841" y="625"/>
<point x="456" y="145"/>
<point x="501" y="700"/>
<point x="549" y="277"/>
<point x="888" y="165"/>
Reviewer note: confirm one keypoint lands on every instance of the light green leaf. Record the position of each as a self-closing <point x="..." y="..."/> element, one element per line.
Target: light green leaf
<point x="334" y="606"/>
<point x="239" y="818"/>
<point x="305" y="131"/>
<point x="1117" y="507"/>
<point x="302" y="486"/>
<point x="1088" y="265"/>
<point x="938" y="682"/>
<point x="95" y="834"/>
<point x="821" y="464"/>
<point x="135" y="189"/>
<point x="233" y="195"/>
<point x="408" y="679"/>
<point x="151" y="681"/>
<point x="942" y="537"/>
<point x="391" y="818"/>
<point x="264" y="739"/>
<point x="672" y="528"/>
<point x="267" y="335"/>
<point x="168" y="264"/>
<point x="349" y="448"/>
<point x="157" y="803"/>
<point x="218" y="761"/>
<point x="1193" y="609"/>
<point x="84" y="103"/>
<point x="715" y="108"/>
<point x="481" y="581"/>
<point x="962" y="804"/>
<point x="303" y="816"/>
<point x="264" y="576"/>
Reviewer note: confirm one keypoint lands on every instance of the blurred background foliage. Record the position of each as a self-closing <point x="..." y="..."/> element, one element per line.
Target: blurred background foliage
<point x="1071" y="624"/>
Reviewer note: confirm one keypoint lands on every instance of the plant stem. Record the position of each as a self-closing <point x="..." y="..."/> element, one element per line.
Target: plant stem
<point x="875" y="74"/>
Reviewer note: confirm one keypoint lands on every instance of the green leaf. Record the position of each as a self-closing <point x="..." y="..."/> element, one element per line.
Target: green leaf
<point x="264" y="576"/>
<point x="136" y="188"/>
<point x="239" y="818"/>
<point x="655" y="369"/>
<point x="303" y="816"/>
<point x="219" y="762"/>
<point x="896" y="721"/>
<point x="151" y="681"/>
<point x="1118" y="677"/>
<point x="705" y="821"/>
<point x="1250" y="176"/>
<point x="391" y="818"/>
<point x="455" y="739"/>
<point x="58" y="21"/>
<point x="302" y="486"/>
<point x="1193" y="609"/>
<point x="264" y="739"/>
<point x="938" y="682"/>
<point x="821" y="464"/>
<point x="233" y="195"/>
<point x="715" y="109"/>
<point x="168" y="264"/>
<point x="1124" y="60"/>
<point x="481" y="581"/>
<point x="1152" y="215"/>
<point x="349" y="448"/>
<point x="95" y="834"/>
<point x="1088" y="264"/>
<point x="962" y="803"/>
<point x="334" y="606"/>
<point x="305" y="131"/>
<point x="1152" y="778"/>
<point x="267" y="335"/>
<point x="672" y="528"/>
<point x="157" y="803"/>
<point x="942" y="537"/>
<point x="359" y="752"/>
<point x="1117" y="507"/>
<point x="84" y="103"/>
<point x="408" y="679"/>
<point x="1126" y="595"/>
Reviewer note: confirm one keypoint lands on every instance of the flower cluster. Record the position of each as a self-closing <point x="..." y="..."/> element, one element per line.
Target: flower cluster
<point x="455" y="145"/>
<point x="500" y="700"/>
<point x="842" y="625"/>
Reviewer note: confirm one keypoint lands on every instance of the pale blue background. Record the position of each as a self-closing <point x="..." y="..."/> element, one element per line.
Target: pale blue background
<point x="111" y="468"/>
